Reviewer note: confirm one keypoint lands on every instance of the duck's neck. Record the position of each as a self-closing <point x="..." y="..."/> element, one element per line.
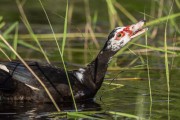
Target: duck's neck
<point x="96" y="70"/>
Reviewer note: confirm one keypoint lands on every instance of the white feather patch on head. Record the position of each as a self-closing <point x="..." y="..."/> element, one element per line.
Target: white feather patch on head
<point x="115" y="45"/>
<point x="33" y="88"/>
<point x="3" y="67"/>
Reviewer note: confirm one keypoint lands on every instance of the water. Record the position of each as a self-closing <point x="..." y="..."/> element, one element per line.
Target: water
<point x="132" y="98"/>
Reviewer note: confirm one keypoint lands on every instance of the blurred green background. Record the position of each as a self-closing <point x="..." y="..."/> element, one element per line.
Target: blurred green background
<point x="141" y="66"/>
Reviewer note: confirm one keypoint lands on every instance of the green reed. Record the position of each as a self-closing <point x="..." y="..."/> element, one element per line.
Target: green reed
<point x="63" y="46"/>
<point x="30" y="70"/>
<point x="112" y="8"/>
<point x="15" y="41"/>
<point x="27" y="24"/>
<point x="166" y="59"/>
<point x="21" y="59"/>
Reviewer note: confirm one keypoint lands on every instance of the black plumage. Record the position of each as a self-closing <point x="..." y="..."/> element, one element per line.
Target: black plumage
<point x="17" y="83"/>
<point x="20" y="84"/>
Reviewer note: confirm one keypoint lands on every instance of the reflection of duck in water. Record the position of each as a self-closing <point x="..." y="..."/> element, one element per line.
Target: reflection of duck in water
<point x="18" y="110"/>
<point x="17" y="83"/>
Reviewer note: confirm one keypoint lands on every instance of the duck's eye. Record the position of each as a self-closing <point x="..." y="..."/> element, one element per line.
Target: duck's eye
<point x="119" y="35"/>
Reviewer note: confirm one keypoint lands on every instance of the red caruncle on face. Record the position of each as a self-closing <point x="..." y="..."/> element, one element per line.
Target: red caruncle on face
<point x="122" y="33"/>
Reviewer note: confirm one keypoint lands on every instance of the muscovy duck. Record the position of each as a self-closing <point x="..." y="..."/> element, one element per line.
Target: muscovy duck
<point x="17" y="83"/>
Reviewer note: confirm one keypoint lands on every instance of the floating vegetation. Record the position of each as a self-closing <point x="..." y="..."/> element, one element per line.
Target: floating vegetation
<point x="94" y="115"/>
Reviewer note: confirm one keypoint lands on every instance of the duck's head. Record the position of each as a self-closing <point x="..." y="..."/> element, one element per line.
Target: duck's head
<point x="120" y="36"/>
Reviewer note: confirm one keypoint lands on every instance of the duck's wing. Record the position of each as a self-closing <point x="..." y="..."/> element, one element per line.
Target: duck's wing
<point x="13" y="73"/>
<point x="18" y="72"/>
<point x="47" y="73"/>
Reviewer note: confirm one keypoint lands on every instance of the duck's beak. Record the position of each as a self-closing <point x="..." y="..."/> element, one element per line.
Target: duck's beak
<point x="137" y="29"/>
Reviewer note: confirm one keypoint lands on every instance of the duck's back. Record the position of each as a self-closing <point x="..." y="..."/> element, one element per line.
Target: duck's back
<point x="17" y="83"/>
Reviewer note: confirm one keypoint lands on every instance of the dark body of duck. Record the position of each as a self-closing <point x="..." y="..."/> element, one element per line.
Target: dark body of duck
<point x="17" y="83"/>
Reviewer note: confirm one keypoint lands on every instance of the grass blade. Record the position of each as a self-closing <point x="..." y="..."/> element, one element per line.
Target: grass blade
<point x="166" y="57"/>
<point x="162" y="19"/>
<point x="156" y="49"/>
<point x="79" y="115"/>
<point x="28" y="45"/>
<point x="177" y="3"/>
<point x="125" y="12"/>
<point x="5" y="54"/>
<point x="31" y="71"/>
<point x="61" y="55"/>
<point x="148" y="74"/>
<point x="126" y="115"/>
<point x="53" y="33"/>
<point x="25" y="21"/>
<point x="10" y="29"/>
<point x="113" y="16"/>
<point x="15" y="41"/>
<point x="65" y="29"/>
<point x="2" y="24"/>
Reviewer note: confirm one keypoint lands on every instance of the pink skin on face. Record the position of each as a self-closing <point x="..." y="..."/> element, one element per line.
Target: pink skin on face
<point x="124" y="34"/>
<point x="132" y="30"/>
